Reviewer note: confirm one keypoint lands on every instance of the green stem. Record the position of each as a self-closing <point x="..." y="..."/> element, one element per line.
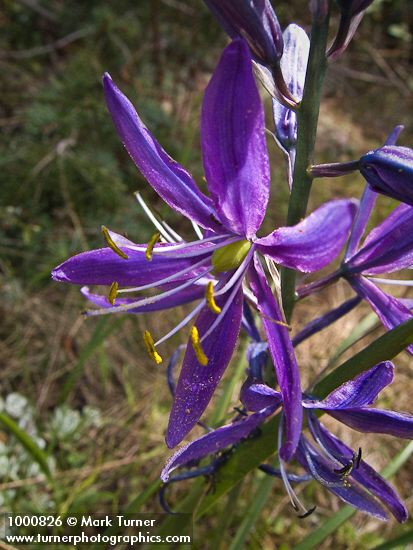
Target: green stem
<point x="307" y="119"/>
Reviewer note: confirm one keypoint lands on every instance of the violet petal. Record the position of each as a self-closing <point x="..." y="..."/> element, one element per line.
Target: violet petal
<point x="391" y="311"/>
<point x="215" y="441"/>
<point x="233" y="142"/>
<point x="389" y="246"/>
<point x="167" y="177"/>
<point x="314" y="242"/>
<point x="102" y="266"/>
<point x="197" y="383"/>
<point x="366" y="476"/>
<point x="361" y="391"/>
<point x="369" y="420"/>
<point x="282" y="353"/>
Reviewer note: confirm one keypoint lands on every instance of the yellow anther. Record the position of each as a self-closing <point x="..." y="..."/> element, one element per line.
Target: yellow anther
<point x="209" y="296"/>
<point x="111" y="243"/>
<point x="113" y="292"/>
<point x="196" y="344"/>
<point x="150" y="346"/>
<point x="152" y="242"/>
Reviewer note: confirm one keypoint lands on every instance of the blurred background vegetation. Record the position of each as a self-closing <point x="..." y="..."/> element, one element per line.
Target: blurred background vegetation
<point x="83" y="390"/>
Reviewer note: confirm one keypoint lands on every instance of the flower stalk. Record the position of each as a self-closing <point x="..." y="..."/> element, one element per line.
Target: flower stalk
<point x="307" y="119"/>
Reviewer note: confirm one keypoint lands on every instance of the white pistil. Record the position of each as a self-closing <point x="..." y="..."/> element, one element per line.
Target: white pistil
<point x="184" y="321"/>
<point x="153" y="219"/>
<point x="197" y="230"/>
<point x="399" y="282"/>
<point x="295" y="501"/>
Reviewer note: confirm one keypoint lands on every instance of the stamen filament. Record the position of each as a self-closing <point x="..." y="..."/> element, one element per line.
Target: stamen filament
<point x="153" y="219"/>
<point x="150" y="346"/>
<point x="111" y="243"/>
<point x="210" y="300"/>
<point x="400" y="282"/>
<point x="146" y="301"/>
<point x="174" y="234"/>
<point x="166" y="280"/>
<point x="196" y="344"/>
<point x="113" y="292"/>
<point x="184" y="321"/>
<point x="152" y="242"/>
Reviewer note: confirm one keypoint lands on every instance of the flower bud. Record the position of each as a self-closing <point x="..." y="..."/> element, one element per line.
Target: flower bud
<point x="389" y="170"/>
<point x="293" y="66"/>
<point x="352" y="12"/>
<point x="256" y="22"/>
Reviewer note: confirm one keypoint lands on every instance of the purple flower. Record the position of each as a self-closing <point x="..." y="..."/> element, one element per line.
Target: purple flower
<point x="352" y="12"/>
<point x="389" y="170"/>
<point x="328" y="460"/>
<point x="213" y="268"/>
<point x="386" y="249"/>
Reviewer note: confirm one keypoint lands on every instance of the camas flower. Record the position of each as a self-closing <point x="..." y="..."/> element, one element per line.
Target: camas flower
<point x="212" y="268"/>
<point x="386" y="249"/>
<point x="329" y="461"/>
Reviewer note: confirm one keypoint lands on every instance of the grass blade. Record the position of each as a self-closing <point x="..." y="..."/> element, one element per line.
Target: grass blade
<point x="399" y="542"/>
<point x="28" y="443"/>
<point x="258" y="502"/>
<point x="103" y="328"/>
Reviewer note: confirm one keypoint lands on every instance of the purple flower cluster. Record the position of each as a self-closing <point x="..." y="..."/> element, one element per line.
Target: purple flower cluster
<point x="228" y="269"/>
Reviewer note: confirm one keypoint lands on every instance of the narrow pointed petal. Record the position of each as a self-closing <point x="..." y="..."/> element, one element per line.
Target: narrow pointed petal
<point x="366" y="476"/>
<point x="391" y="311"/>
<point x="233" y="142"/>
<point x="316" y="241"/>
<point x="197" y="382"/>
<point x="183" y="297"/>
<point x="253" y="20"/>
<point x="361" y="391"/>
<point x="294" y="67"/>
<point x="103" y="266"/>
<point x="167" y="177"/>
<point x="389" y="170"/>
<point x="368" y="200"/>
<point x="255" y="397"/>
<point x="367" y="203"/>
<point x="369" y="420"/>
<point x="282" y="353"/>
<point x="352" y="494"/>
<point x="389" y="246"/>
<point x="215" y="441"/>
